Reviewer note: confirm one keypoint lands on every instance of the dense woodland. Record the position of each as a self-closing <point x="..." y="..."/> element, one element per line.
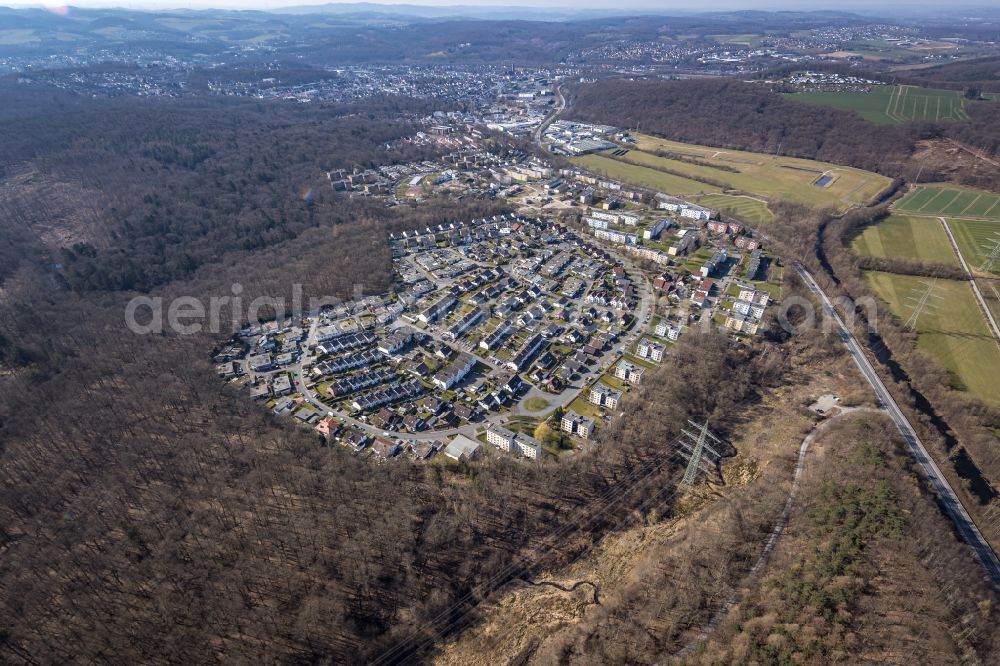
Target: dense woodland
<point x="179" y="184"/>
<point x="737" y="115"/>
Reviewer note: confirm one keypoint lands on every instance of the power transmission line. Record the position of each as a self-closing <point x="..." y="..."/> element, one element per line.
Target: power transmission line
<point x="921" y="304"/>
<point x="991" y="257"/>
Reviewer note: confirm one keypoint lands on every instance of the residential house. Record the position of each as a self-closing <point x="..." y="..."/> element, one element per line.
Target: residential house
<point x="454" y="373"/>
<point x="629" y="372"/>
<point x="463" y="449"/>
<point x="650" y="350"/>
<point x="605" y="396"/>
<point x="281" y="385"/>
<point x="742" y="323"/>
<point x="665" y="329"/>
<point x="578" y="425"/>
<point x="386" y="448"/>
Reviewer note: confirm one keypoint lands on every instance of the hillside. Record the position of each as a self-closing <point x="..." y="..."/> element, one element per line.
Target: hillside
<point x="731" y="114"/>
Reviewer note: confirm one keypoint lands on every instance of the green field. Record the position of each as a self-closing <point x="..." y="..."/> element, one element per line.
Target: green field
<point x="917" y="238"/>
<point x="18" y="36"/>
<point x="951" y="329"/>
<point x="950" y="202"/>
<point x="749" y="39"/>
<point x="975" y="238"/>
<point x="990" y="290"/>
<point x="752" y="210"/>
<point x="641" y="176"/>
<point x="893" y="104"/>
<point x="765" y="176"/>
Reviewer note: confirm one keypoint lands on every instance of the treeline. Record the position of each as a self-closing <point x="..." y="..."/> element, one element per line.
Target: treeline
<point x="736" y="115"/>
<point x="983" y="73"/>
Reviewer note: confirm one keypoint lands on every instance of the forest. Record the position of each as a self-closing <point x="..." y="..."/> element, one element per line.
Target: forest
<point x="733" y="114"/>
<point x="181" y="182"/>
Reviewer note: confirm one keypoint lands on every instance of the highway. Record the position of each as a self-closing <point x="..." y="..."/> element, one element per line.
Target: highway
<point x="949" y="500"/>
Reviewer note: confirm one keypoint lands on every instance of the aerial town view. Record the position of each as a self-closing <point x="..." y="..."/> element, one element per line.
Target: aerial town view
<point x="500" y="328"/>
<point x="471" y="334"/>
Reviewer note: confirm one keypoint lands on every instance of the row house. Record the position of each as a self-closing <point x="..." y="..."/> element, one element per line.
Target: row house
<point x="468" y="320"/>
<point x="456" y="372"/>
<point x="381" y="397"/>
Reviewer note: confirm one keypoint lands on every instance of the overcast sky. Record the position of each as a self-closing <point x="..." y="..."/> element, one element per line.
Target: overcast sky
<point x="628" y="6"/>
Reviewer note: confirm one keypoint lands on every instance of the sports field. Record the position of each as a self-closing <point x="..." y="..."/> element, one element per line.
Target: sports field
<point x="768" y="176"/>
<point x="950" y="201"/>
<point x="638" y="175"/>
<point x="893" y="104"/>
<point x="951" y="329"/>
<point x="916" y="238"/>
<point x="976" y="239"/>
<point x="746" y="208"/>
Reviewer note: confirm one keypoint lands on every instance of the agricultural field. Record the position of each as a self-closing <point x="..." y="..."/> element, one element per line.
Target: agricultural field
<point x="951" y="329"/>
<point x="803" y="181"/>
<point x="747" y="39"/>
<point x="906" y="237"/>
<point x="950" y="201"/>
<point x="746" y="208"/>
<point x="893" y="104"/>
<point x="975" y="239"/>
<point x="990" y="290"/>
<point x="641" y="176"/>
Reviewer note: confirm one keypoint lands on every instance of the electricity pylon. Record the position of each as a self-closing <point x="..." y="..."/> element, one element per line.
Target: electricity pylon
<point x="700" y="443"/>
<point x="991" y="257"/>
<point x="921" y="303"/>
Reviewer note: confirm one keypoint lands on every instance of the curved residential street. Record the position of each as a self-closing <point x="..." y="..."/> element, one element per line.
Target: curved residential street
<point x="562" y="399"/>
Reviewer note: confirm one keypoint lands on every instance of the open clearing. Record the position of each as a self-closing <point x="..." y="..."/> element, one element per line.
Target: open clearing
<point x="746" y="208"/>
<point x="951" y="329"/>
<point x="893" y="104"/>
<point x="950" y="201"/>
<point x="803" y="181"/>
<point x="916" y="238"/>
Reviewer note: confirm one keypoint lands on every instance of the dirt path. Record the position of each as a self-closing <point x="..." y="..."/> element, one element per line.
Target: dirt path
<point x="972" y="281"/>
<point x="776" y="532"/>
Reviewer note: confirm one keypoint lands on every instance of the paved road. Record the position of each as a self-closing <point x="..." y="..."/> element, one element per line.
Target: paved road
<point x="554" y="400"/>
<point x="949" y="500"/>
<point x="552" y="116"/>
<point x="972" y="282"/>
